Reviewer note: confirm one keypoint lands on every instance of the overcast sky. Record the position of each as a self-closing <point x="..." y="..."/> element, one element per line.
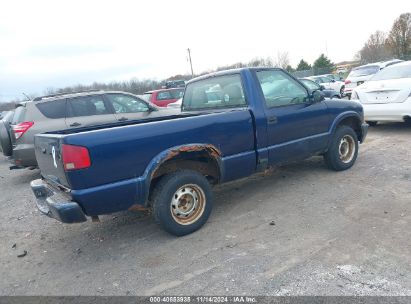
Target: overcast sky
<point x="58" y="43"/>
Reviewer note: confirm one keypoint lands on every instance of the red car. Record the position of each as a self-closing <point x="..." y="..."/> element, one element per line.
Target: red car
<point x="164" y="97"/>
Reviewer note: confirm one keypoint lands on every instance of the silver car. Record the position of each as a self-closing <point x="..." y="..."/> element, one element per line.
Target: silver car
<point x="76" y="110"/>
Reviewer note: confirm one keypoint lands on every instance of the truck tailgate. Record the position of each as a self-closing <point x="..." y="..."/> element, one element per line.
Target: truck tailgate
<point x="48" y="154"/>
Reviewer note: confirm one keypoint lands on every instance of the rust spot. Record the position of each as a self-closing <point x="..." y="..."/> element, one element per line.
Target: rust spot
<point x="210" y="148"/>
<point x="214" y="152"/>
<point x="138" y="208"/>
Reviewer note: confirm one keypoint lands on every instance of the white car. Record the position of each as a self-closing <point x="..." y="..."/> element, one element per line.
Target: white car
<point x="387" y="95"/>
<point x="361" y="74"/>
<point x="329" y="83"/>
<point x="176" y="104"/>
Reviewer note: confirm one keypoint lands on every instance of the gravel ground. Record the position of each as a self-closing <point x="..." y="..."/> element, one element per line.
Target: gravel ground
<point x="299" y="230"/>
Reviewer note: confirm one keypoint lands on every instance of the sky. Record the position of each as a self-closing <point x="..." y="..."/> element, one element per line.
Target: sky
<point x="51" y="44"/>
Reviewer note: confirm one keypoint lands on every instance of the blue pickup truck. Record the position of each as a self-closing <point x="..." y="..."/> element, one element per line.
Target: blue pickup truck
<point x="232" y="124"/>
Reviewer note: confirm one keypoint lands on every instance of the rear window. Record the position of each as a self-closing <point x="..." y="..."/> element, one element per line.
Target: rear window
<point x="173" y="94"/>
<point x="364" y="71"/>
<point x="215" y="92"/>
<point x="53" y="109"/>
<point x="394" y="72"/>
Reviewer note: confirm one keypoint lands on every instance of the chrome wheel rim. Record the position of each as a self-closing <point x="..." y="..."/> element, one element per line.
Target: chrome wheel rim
<point x="346" y="149"/>
<point x="187" y="204"/>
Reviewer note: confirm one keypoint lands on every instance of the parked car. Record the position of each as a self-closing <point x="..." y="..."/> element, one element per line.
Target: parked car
<point x="329" y="83"/>
<point x="264" y="117"/>
<point x="163" y="97"/>
<point x="336" y="77"/>
<point x="74" y="110"/>
<point x="176" y="104"/>
<point x="175" y="84"/>
<point x="5" y="133"/>
<point x="361" y="74"/>
<point x="313" y="86"/>
<point x="387" y="95"/>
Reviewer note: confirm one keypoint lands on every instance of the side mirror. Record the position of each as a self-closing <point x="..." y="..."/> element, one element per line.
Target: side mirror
<point x="317" y="96"/>
<point x="322" y="87"/>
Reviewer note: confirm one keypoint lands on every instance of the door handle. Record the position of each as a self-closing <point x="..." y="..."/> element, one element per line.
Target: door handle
<point x="75" y="124"/>
<point x="122" y="119"/>
<point x="272" y="120"/>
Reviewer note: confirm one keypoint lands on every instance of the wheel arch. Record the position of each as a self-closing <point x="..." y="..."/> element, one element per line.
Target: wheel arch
<point x="351" y="119"/>
<point x="200" y="157"/>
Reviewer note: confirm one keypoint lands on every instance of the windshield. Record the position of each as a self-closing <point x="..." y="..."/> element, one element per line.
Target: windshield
<point x="310" y="84"/>
<point x="394" y="72"/>
<point x="364" y="71"/>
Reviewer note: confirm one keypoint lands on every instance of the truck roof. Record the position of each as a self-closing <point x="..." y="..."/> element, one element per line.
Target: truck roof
<point x="230" y="72"/>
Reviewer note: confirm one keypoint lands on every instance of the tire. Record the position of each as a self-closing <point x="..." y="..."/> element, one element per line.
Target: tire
<point x="177" y="191"/>
<point x="372" y="123"/>
<point x="5" y="140"/>
<point x="343" y="150"/>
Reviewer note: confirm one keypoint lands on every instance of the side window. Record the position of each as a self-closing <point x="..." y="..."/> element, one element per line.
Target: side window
<point x="53" y="109"/>
<point x="280" y="90"/>
<point x="216" y="92"/>
<point x="127" y="104"/>
<point x="88" y="106"/>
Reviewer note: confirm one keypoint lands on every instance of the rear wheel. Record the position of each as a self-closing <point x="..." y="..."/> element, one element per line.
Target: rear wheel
<point x="182" y="202"/>
<point x="5" y="140"/>
<point x="343" y="150"/>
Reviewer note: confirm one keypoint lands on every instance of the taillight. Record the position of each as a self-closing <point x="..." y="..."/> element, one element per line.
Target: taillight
<point x="21" y="128"/>
<point x="347" y="81"/>
<point x="75" y="157"/>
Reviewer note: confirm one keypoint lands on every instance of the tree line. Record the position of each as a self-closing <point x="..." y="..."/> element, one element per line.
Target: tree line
<point x="387" y="45"/>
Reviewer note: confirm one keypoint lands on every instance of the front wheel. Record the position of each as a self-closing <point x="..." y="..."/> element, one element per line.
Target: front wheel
<point x="182" y="202"/>
<point x="343" y="150"/>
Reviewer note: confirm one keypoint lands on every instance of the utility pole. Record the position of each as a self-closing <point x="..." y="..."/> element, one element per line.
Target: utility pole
<point x="191" y="64"/>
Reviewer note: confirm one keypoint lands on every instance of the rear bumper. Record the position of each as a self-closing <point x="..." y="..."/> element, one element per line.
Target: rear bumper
<point x="395" y="112"/>
<point x="55" y="204"/>
<point x="24" y="156"/>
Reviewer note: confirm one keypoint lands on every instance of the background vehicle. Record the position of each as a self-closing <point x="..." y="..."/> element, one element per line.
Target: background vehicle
<point x="176" y="104"/>
<point x="234" y="123"/>
<point x="74" y="110"/>
<point x="387" y="95"/>
<point x="360" y="74"/>
<point x="175" y="84"/>
<point x="336" y="77"/>
<point x="163" y="97"/>
<point x="313" y="86"/>
<point x="329" y="83"/>
<point x="5" y="133"/>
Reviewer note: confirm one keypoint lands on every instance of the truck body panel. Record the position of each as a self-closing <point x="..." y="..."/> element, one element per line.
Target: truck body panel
<point x="125" y="158"/>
